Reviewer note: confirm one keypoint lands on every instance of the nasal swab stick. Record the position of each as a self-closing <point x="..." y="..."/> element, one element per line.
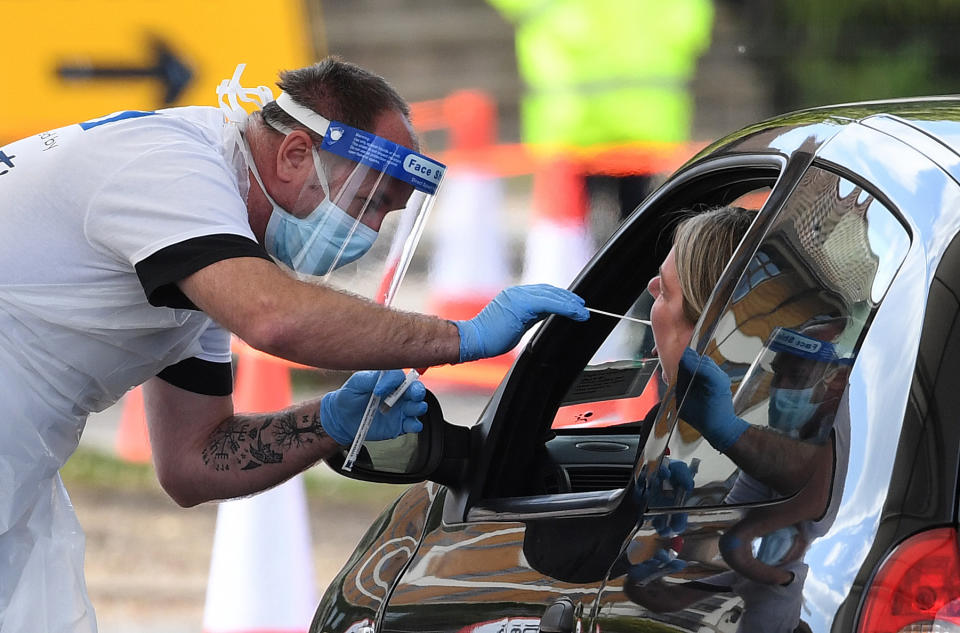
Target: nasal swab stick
<point x="618" y="316"/>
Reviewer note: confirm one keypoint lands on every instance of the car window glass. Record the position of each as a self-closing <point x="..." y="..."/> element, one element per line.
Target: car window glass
<point x="572" y="417"/>
<point x="787" y="339"/>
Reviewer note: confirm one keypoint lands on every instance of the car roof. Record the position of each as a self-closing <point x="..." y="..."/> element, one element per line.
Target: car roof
<point x="938" y="117"/>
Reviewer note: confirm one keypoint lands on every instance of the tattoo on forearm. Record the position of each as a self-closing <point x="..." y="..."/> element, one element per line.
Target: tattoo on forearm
<point x="290" y="434"/>
<point x="251" y="441"/>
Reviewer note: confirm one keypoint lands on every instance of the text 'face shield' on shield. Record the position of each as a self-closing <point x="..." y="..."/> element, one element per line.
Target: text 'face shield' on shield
<point x="370" y="200"/>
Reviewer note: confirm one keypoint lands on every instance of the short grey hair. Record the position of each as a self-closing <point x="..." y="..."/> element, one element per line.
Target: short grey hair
<point x="339" y="91"/>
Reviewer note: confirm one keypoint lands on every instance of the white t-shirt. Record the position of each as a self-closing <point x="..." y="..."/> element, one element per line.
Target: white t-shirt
<point x="99" y="221"/>
<point x="96" y="216"/>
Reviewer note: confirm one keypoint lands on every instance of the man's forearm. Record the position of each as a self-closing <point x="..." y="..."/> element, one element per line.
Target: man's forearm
<point x="773" y="459"/>
<point x="316" y="325"/>
<point x="247" y="442"/>
<point x="248" y="453"/>
<point x="354" y="333"/>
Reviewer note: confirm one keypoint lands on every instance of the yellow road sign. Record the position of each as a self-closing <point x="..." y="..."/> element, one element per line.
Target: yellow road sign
<point x="72" y="60"/>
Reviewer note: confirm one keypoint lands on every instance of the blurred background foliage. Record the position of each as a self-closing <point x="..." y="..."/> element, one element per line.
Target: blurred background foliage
<point x="818" y="52"/>
<point x="92" y="467"/>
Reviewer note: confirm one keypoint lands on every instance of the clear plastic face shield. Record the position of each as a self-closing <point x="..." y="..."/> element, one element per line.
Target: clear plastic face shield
<point x="794" y="385"/>
<point x="368" y="197"/>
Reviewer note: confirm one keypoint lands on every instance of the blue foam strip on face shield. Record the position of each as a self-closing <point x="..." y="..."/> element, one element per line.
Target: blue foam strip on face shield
<point x="386" y="156"/>
<point x="798" y="344"/>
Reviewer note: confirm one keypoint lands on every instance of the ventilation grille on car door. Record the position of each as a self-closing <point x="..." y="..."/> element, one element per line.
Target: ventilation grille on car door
<point x="585" y="479"/>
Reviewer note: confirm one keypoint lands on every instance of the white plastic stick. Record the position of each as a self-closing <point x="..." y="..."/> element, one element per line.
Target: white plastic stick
<point x="391" y="400"/>
<point x="362" y="431"/>
<point x="618" y="316"/>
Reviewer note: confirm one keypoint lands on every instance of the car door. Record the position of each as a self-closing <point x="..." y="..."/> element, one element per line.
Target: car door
<point x="549" y="503"/>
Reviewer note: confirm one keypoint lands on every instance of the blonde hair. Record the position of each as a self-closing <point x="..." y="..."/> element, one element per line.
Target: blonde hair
<point x="703" y="244"/>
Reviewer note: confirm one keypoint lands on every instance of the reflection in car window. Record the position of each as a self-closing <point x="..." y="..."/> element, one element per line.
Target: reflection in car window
<point x="620" y="383"/>
<point x="761" y="267"/>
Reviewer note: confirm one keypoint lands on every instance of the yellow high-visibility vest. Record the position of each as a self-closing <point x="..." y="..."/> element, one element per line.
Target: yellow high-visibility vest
<point x="607" y="71"/>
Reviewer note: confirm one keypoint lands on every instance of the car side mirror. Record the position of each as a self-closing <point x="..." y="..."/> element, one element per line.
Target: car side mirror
<point x="437" y="453"/>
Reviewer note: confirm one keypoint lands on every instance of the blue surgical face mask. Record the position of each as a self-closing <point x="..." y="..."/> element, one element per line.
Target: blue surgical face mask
<point x="790" y="409"/>
<point x="311" y="245"/>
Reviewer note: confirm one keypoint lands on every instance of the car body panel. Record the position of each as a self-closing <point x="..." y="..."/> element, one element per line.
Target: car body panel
<point x="357" y="593"/>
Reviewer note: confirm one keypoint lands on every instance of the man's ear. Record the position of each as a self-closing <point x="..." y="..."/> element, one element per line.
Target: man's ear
<point x="293" y="155"/>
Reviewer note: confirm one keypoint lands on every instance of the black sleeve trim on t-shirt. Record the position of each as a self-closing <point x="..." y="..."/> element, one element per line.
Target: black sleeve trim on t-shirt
<point x="160" y="272"/>
<point x="200" y="376"/>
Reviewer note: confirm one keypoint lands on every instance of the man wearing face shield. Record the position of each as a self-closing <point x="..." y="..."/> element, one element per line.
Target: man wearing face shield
<point x="134" y="244"/>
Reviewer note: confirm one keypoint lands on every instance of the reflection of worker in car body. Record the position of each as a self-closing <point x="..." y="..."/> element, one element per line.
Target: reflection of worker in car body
<point x="802" y="403"/>
<point x="792" y="459"/>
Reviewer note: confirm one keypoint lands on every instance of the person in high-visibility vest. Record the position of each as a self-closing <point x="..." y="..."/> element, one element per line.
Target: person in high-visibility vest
<point x="606" y="72"/>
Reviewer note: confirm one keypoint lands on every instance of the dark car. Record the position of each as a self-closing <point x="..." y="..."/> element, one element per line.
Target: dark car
<point x="553" y="513"/>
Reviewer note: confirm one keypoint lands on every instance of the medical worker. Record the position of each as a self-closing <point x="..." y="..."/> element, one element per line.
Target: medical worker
<point x="134" y="244"/>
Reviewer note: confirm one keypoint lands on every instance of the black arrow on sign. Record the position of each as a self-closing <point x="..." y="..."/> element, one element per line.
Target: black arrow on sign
<point x="173" y="73"/>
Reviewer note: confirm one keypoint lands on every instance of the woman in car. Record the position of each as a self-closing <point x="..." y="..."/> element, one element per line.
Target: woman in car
<point x="702" y="246"/>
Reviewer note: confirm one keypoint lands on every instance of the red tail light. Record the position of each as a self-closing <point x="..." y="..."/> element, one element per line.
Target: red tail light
<point x="917" y="588"/>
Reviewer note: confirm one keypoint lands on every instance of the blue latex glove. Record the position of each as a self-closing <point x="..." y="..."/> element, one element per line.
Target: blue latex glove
<point x="680" y="478"/>
<point x="662" y="564"/>
<point x="341" y="410"/>
<point x="499" y="326"/>
<point x="707" y="404"/>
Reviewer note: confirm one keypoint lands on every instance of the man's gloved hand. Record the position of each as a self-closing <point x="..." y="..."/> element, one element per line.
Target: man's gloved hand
<point x="499" y="326"/>
<point x="679" y="476"/>
<point x="341" y="410"/>
<point x="707" y="404"/>
<point x="663" y="563"/>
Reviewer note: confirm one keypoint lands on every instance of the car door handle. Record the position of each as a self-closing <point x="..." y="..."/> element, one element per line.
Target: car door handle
<point x="559" y="617"/>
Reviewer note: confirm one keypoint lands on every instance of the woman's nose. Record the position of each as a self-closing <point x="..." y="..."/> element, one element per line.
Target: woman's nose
<point x="654" y="286"/>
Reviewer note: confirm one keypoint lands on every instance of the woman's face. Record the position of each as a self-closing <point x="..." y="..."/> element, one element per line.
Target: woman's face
<point x="671" y="329"/>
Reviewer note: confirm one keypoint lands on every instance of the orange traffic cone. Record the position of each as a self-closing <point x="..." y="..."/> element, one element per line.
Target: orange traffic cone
<point x="558" y="242"/>
<point x="261" y="571"/>
<point x="469" y="262"/>
<point x="133" y="441"/>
